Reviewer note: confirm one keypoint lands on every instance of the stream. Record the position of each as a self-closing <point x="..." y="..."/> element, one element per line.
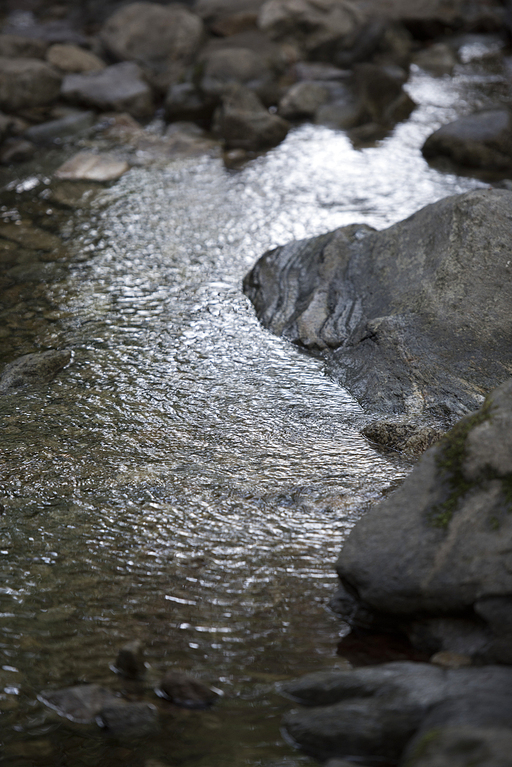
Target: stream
<point x="188" y="480"/>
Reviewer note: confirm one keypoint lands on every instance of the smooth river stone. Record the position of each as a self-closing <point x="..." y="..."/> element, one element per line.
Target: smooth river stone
<point x="87" y="166"/>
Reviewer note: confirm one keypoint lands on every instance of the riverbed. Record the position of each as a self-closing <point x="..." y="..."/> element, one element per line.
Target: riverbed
<point x="188" y="480"/>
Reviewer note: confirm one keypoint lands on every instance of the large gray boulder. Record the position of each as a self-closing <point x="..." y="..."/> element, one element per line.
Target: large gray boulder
<point x="26" y="83"/>
<point x="120" y="87"/>
<point x="147" y="31"/>
<point x="435" y="555"/>
<point x="482" y="141"/>
<point x="414" y="319"/>
<point x="375" y="712"/>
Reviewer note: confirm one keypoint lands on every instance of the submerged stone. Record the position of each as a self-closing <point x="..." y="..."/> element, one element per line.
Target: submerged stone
<point x="88" y="166"/>
<point x="183" y="690"/>
<point x="32" y="370"/>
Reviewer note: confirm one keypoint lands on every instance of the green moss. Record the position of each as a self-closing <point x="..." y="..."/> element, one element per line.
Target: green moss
<point x="422" y="747"/>
<point x="450" y="459"/>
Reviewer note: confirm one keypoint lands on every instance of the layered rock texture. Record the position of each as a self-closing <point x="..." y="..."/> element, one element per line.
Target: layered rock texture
<point x="414" y="319"/>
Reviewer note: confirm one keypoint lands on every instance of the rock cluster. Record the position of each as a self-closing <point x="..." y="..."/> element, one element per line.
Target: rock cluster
<point x="224" y="64"/>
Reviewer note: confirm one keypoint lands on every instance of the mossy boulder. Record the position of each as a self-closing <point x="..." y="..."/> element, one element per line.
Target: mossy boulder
<point x="435" y="555"/>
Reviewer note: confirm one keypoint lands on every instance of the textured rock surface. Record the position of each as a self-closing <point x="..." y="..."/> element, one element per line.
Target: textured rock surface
<point x="71" y="125"/>
<point x="14" y="46"/>
<point x="88" y="166"/>
<point x="26" y="82"/>
<point x="319" y="28"/>
<point x="482" y="140"/>
<point x="71" y="58"/>
<point x="227" y="17"/>
<point x="32" y="370"/>
<point x="184" y="690"/>
<point x="455" y="746"/>
<point x="437" y="551"/>
<point x="375" y="712"/>
<point x="120" y="87"/>
<point x="303" y="100"/>
<point x="413" y="319"/>
<point x="80" y="704"/>
<point x="147" y="31"/>
<point x="243" y="122"/>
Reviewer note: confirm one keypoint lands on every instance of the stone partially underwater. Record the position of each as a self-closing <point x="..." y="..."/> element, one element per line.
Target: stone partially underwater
<point x="413" y="320"/>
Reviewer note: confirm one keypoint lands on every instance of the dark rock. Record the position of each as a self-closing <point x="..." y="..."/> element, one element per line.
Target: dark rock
<point x="33" y="370"/>
<point x="6" y="126"/>
<point x="184" y="690"/>
<point x="461" y="746"/>
<point x="31" y="237"/>
<point x="438" y="59"/>
<point x="381" y="95"/>
<point x="319" y="29"/>
<point x="228" y="17"/>
<point x="16" y="150"/>
<point x="243" y="122"/>
<point x="185" y="101"/>
<point x="303" y="100"/>
<point x="16" y="46"/>
<point x="130" y="660"/>
<point x="319" y="71"/>
<point x="482" y="141"/>
<point x="128" y="720"/>
<point x="27" y="83"/>
<point x="232" y="65"/>
<point x="435" y="554"/>
<point x="120" y="87"/>
<point x="148" y="31"/>
<point x="374" y="712"/>
<point x="82" y="703"/>
<point x="404" y="315"/>
<point x="407" y="437"/>
<point x="56" y="130"/>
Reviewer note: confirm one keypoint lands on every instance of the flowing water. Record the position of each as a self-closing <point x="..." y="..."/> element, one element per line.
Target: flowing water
<point x="188" y="479"/>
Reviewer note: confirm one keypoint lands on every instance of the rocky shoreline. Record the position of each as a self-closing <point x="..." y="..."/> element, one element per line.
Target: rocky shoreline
<point x="413" y="320"/>
<point x="244" y="72"/>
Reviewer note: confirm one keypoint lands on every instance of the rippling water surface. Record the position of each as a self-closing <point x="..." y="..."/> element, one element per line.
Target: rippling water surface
<point x="189" y="479"/>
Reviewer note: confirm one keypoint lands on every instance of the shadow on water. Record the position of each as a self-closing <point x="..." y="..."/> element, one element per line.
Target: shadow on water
<point x="188" y="480"/>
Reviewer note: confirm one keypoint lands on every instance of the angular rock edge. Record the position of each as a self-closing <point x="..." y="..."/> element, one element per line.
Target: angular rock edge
<point x="414" y="320"/>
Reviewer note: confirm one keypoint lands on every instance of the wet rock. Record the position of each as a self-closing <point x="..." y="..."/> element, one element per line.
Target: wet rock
<point x="147" y="31"/>
<point x="88" y="166"/>
<point x="243" y="122"/>
<point x="184" y="690"/>
<point x="56" y="130"/>
<point x="395" y="311"/>
<point x="482" y="141"/>
<point x="342" y="112"/>
<point x="120" y="87"/>
<point x="381" y="95"/>
<point x="435" y="554"/>
<point x="303" y="100"/>
<point x="319" y="71"/>
<point x="16" y="150"/>
<point x="427" y="19"/>
<point x="232" y="65"/>
<point x="185" y="101"/>
<point x="128" y="720"/>
<point x="228" y="17"/>
<point x="82" y="703"/>
<point x="460" y="746"/>
<point x="409" y="438"/>
<point x="26" y="82"/>
<point x="31" y="237"/>
<point x="16" y="46"/>
<point x="33" y="370"/>
<point x="6" y="125"/>
<point x="319" y="29"/>
<point x="130" y="660"/>
<point x="375" y="712"/>
<point x="439" y="59"/>
<point x="71" y="58"/>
